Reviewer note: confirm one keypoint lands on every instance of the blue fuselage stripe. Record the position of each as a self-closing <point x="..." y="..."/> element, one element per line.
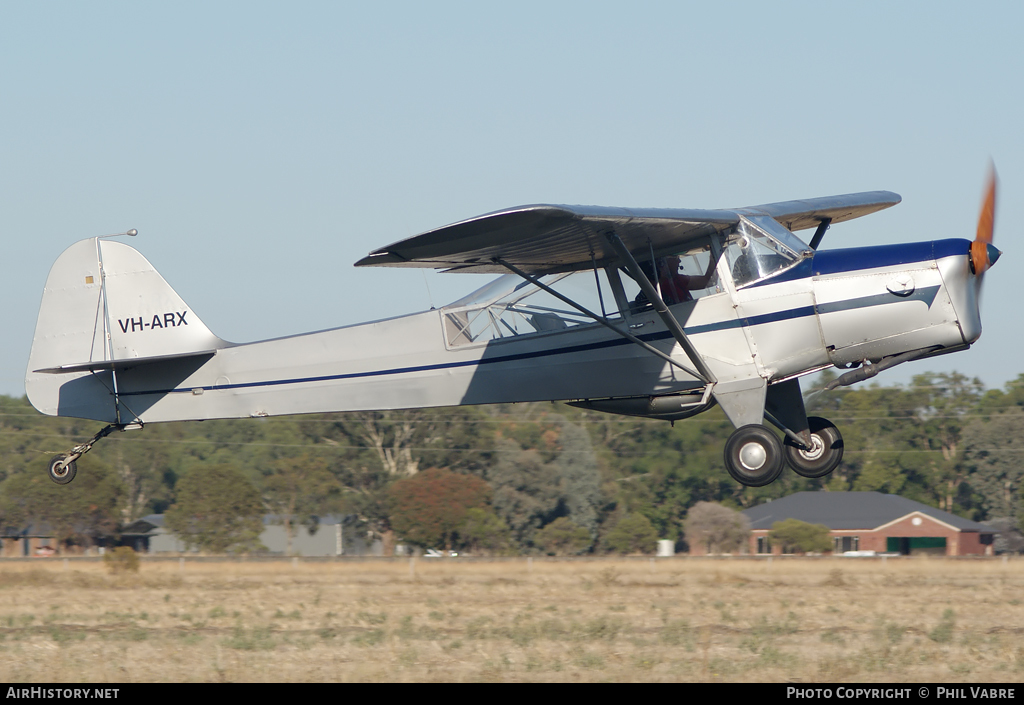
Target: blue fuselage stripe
<point x="855" y="259"/>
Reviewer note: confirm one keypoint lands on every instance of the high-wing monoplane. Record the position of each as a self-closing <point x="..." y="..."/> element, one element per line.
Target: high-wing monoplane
<point x="659" y="313"/>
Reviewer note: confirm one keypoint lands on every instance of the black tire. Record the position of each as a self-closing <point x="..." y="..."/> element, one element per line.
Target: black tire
<point x="62" y="476"/>
<point x="824" y="457"/>
<point x="753" y="456"/>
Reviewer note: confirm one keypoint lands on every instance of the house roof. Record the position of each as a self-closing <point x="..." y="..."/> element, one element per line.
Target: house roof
<point x="324" y="520"/>
<point x="153" y="522"/>
<point x="33" y="529"/>
<point x="850" y="510"/>
<point x="144" y="525"/>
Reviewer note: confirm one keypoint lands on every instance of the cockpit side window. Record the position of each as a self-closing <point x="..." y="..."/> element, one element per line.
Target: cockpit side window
<point x="685" y="276"/>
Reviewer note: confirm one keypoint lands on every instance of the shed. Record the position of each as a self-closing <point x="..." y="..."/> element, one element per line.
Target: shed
<point x="150" y="534"/>
<point x="329" y="537"/>
<point x="35" y="539"/>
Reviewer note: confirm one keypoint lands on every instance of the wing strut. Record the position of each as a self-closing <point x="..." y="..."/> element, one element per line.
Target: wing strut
<point x="661" y="309"/>
<point x="820" y="232"/>
<point x="600" y="319"/>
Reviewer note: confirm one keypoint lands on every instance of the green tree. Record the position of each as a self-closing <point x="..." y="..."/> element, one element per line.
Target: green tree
<point x="716" y="528"/>
<point x="578" y="478"/>
<point x="563" y="537"/>
<point x="800" y="536"/>
<point x="943" y="403"/>
<point x="483" y="531"/>
<point x="399" y="443"/>
<point x="217" y="510"/>
<point x="661" y="470"/>
<point x="1010" y="397"/>
<point x="526" y="492"/>
<point x="548" y="470"/>
<point x="634" y="533"/>
<point x="993" y="453"/>
<point x="379" y="448"/>
<point x="299" y="490"/>
<point x="140" y="468"/>
<point x="428" y="508"/>
<point x="907" y="439"/>
<point x="79" y="514"/>
<point x="370" y="500"/>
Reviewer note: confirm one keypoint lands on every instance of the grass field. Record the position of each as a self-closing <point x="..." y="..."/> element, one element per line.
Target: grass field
<point x="801" y="620"/>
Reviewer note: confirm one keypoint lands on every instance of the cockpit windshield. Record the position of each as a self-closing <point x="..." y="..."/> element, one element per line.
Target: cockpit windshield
<point x="761" y="247"/>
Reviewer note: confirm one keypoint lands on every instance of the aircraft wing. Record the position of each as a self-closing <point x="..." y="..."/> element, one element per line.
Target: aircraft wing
<point x="800" y="215"/>
<point x="545" y="239"/>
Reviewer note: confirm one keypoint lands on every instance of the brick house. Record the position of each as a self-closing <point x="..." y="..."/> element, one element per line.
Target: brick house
<point x="872" y="521"/>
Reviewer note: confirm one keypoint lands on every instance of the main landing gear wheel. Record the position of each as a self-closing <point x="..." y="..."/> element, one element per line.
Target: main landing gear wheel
<point x="62" y="473"/>
<point x="753" y="456"/>
<point x="823" y="456"/>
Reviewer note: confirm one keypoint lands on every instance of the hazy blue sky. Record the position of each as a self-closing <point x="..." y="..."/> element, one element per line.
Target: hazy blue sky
<point x="262" y="148"/>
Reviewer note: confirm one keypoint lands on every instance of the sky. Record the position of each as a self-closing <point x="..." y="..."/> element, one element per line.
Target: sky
<point x="260" y="149"/>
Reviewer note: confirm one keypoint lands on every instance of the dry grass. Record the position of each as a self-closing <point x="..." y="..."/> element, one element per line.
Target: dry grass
<point x="846" y="620"/>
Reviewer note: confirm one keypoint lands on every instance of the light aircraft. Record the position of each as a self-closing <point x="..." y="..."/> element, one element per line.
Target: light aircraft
<point x="659" y="313"/>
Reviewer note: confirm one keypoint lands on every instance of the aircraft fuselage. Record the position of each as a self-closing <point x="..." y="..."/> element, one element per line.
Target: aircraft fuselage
<point x="838" y="307"/>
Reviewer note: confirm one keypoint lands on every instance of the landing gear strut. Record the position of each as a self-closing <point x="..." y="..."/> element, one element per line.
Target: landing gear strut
<point x="63" y="467"/>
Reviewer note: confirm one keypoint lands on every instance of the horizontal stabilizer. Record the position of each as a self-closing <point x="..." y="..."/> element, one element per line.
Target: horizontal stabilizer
<point x="122" y="364"/>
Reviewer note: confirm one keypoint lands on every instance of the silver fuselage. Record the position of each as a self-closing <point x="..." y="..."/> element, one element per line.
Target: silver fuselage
<point x="836" y="308"/>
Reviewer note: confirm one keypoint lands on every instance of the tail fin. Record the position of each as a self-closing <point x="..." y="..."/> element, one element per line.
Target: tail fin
<point x="104" y="306"/>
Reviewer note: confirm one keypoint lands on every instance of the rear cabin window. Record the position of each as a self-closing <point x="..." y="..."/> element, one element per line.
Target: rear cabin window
<point x="510" y="307"/>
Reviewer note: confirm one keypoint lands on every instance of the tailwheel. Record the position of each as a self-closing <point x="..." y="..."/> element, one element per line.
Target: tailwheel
<point x="62" y="467"/>
<point x="823" y="456"/>
<point x="753" y="456"/>
<point x="61" y="470"/>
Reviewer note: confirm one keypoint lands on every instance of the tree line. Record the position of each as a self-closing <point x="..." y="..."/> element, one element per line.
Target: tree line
<point x="522" y="478"/>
